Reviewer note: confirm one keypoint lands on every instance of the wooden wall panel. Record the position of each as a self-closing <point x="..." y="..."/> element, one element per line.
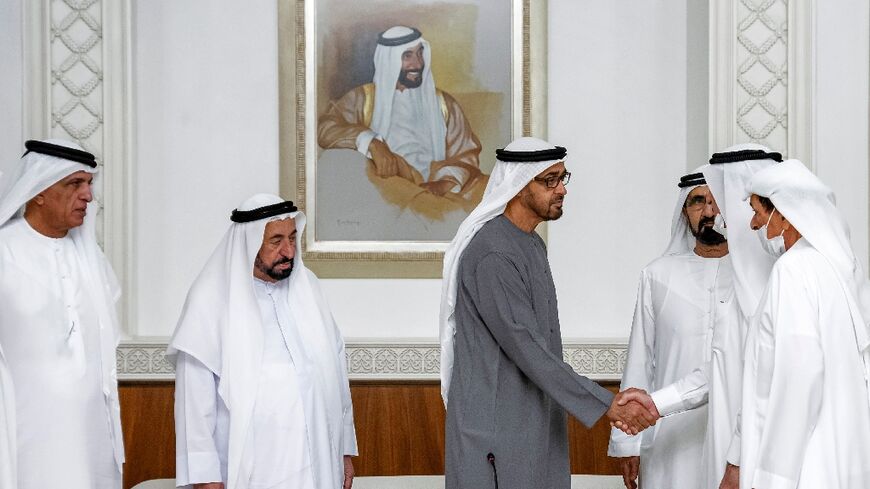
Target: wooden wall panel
<point x="588" y="447"/>
<point x="400" y="431"/>
<point x="399" y="428"/>
<point x="149" y="430"/>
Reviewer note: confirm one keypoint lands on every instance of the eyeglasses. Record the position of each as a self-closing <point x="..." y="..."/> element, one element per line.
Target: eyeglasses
<point x="697" y="202"/>
<point x="553" y="181"/>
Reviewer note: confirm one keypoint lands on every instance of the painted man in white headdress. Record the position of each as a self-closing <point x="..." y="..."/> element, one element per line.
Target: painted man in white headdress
<point x="58" y="323"/>
<point x="805" y="419"/>
<point x="403" y="123"/>
<point x="501" y="345"/>
<point x="261" y="397"/>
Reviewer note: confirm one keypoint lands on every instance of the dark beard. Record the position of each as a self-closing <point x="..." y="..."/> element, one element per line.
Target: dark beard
<point x="709" y="237"/>
<point x="552" y="215"/>
<point x="408" y="83"/>
<point x="545" y="211"/>
<point x="272" y="271"/>
<point x="706" y="235"/>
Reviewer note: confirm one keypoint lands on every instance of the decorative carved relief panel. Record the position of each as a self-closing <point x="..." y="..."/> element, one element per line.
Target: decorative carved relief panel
<point x="761" y="75"/>
<point x="76" y="78"/>
<point x="762" y="72"/>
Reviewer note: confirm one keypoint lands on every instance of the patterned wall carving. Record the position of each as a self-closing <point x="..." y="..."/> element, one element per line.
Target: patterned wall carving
<point x="369" y="361"/>
<point x="76" y="78"/>
<point x="762" y="72"/>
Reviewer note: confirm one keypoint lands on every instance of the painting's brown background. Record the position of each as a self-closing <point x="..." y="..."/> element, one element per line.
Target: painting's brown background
<point x="399" y="426"/>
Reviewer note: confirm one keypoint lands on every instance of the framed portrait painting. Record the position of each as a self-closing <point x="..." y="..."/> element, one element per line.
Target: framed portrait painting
<point x="391" y="112"/>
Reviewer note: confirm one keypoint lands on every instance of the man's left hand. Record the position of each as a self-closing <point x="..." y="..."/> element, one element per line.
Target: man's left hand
<point x="630" y="467"/>
<point x="348" y="472"/>
<point x="438" y="187"/>
<point x="731" y="479"/>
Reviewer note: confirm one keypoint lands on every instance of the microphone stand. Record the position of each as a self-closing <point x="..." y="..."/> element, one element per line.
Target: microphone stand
<point x="491" y="459"/>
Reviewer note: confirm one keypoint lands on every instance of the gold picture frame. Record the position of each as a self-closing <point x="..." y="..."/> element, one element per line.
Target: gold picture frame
<point x="297" y="126"/>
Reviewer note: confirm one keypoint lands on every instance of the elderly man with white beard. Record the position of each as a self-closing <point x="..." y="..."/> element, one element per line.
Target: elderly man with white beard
<point x="262" y="396"/>
<point x="806" y="407"/>
<point x="58" y="325"/>
<point x="402" y="122"/>
<point x="685" y="307"/>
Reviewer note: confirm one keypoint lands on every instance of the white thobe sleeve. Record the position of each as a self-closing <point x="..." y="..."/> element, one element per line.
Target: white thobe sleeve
<point x="790" y="379"/>
<point x="683" y="394"/>
<point x="639" y="366"/>
<point x="733" y="455"/>
<point x="196" y="401"/>
<point x="364" y="139"/>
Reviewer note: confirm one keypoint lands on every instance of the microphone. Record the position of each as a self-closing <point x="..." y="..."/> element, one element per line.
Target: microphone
<point x="491" y="459"/>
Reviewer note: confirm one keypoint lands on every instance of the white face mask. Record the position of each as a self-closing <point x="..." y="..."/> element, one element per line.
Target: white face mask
<point x="776" y="245"/>
<point x="719" y="225"/>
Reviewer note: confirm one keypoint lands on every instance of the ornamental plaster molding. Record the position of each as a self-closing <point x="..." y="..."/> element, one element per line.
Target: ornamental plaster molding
<point x="762" y="80"/>
<point x="75" y="79"/>
<point x="384" y="360"/>
<point x="762" y="72"/>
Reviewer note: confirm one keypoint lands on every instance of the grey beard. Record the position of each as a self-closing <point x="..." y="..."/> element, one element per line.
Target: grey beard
<point x="272" y="271"/>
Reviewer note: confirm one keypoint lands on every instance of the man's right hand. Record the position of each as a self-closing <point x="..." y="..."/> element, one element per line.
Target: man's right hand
<point x="731" y="480"/>
<point x="389" y="164"/>
<point x="632" y="411"/>
<point x="209" y="485"/>
<point x="630" y="467"/>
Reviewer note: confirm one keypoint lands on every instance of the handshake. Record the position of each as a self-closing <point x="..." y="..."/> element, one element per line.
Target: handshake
<point x="632" y="411"/>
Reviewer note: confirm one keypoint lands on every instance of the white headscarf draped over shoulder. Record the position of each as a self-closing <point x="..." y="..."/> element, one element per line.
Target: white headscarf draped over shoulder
<point x="727" y="175"/>
<point x="219" y="327"/>
<point x="506" y="181"/>
<point x="810" y="206"/>
<point x="35" y="173"/>
<point x="388" y="66"/>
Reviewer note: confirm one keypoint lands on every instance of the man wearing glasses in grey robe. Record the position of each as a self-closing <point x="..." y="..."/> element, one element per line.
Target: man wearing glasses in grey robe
<point x="501" y="344"/>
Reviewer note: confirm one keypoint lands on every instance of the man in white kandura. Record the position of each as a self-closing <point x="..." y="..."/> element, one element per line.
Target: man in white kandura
<point x="261" y="396"/>
<point x="58" y="323"/>
<point x="727" y="176"/>
<point x="685" y="304"/>
<point x="716" y="384"/>
<point x="806" y="407"/>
